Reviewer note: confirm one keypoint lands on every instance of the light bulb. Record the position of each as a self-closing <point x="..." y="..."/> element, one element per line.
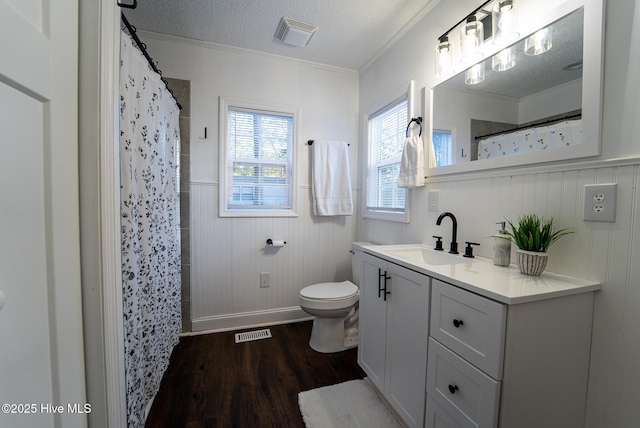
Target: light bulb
<point x="475" y="74"/>
<point x="503" y="22"/>
<point x="503" y="60"/>
<point x="471" y="37"/>
<point x="539" y="42"/>
<point x="444" y="57"/>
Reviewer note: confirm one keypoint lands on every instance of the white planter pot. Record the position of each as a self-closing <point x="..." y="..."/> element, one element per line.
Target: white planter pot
<point x="531" y="262"/>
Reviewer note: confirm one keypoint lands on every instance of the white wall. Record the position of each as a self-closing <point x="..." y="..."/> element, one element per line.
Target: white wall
<point x="228" y="255"/>
<point x="557" y="100"/>
<point x="602" y="251"/>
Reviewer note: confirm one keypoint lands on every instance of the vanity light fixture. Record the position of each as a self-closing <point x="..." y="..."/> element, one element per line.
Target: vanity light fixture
<point x="503" y="60"/>
<point x="475" y="74"/>
<point x="444" y="57"/>
<point x="471" y="37"/>
<point x="504" y="22"/>
<point x="539" y="42"/>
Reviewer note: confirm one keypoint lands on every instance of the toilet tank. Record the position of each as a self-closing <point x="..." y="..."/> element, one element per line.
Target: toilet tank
<point x="356" y="261"/>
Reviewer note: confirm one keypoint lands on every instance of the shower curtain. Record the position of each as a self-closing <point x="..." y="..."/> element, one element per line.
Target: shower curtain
<point x="150" y="227"/>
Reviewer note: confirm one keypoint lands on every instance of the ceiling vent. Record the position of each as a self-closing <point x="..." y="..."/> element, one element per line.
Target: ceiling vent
<point x="295" y="33"/>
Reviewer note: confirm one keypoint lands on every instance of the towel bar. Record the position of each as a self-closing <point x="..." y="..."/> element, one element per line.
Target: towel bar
<point x="418" y="120"/>
<point x="310" y="142"/>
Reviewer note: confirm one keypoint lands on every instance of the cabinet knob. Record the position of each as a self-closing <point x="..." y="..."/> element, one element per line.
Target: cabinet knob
<point x="453" y="388"/>
<point x="457" y="323"/>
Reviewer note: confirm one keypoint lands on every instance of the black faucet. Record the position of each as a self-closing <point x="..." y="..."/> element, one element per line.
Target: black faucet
<point x="453" y="248"/>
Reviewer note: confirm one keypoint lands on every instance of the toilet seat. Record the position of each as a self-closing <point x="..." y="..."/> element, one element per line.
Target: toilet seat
<point x="329" y="295"/>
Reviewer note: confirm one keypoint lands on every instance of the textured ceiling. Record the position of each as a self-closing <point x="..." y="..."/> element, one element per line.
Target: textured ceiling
<point x="350" y="34"/>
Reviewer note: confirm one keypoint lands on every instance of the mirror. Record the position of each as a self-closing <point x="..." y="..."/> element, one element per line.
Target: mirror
<point x="541" y="108"/>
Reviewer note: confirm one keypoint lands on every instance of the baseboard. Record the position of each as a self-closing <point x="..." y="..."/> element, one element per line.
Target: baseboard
<point x="244" y="320"/>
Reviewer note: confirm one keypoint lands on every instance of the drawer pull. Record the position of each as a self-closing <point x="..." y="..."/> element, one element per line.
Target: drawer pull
<point x="453" y="389"/>
<point x="457" y="323"/>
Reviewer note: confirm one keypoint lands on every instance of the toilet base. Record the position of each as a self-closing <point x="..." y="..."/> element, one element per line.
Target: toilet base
<point x="328" y="335"/>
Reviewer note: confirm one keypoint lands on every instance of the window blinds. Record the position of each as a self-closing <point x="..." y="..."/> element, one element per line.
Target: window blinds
<point x="259" y="160"/>
<point x="442" y="147"/>
<point x="386" y="142"/>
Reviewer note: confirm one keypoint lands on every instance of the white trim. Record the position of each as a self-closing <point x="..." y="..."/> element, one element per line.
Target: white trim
<point x="538" y="169"/>
<point x="228" y="322"/>
<point x="400" y="34"/>
<point x="144" y="34"/>
<point x="215" y="183"/>
<point x="111" y="272"/>
<point x="225" y="103"/>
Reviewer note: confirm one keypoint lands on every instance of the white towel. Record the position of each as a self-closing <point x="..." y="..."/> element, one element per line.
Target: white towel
<point x="331" y="186"/>
<point x="412" y="163"/>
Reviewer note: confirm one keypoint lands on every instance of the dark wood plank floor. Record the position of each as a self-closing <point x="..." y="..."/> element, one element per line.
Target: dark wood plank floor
<point x="213" y="382"/>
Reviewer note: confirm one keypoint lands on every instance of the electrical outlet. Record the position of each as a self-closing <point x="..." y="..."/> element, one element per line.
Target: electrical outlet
<point x="434" y="196"/>
<point x="600" y="202"/>
<point x="265" y="279"/>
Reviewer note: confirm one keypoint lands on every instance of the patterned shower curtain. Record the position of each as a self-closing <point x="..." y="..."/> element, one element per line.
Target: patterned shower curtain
<point x="150" y="227"/>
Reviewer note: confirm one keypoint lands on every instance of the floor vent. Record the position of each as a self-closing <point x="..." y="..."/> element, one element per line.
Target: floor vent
<point x="253" y="335"/>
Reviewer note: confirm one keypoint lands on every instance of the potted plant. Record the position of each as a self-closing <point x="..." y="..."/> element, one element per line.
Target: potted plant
<point x="534" y="235"/>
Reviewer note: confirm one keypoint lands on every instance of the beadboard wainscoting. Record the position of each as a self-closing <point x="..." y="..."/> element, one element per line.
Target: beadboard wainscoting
<point x="607" y="252"/>
<point x="228" y="255"/>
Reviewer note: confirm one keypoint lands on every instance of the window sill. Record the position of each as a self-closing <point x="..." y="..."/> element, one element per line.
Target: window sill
<point x="256" y="213"/>
<point x="395" y="217"/>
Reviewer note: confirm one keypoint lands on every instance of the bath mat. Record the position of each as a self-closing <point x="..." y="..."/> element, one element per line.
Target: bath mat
<point x="352" y="404"/>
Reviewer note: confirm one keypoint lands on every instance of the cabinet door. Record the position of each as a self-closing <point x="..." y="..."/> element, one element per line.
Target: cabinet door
<point x="372" y="323"/>
<point x="407" y="336"/>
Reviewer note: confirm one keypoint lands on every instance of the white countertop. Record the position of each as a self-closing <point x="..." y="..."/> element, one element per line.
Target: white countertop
<point x="479" y="275"/>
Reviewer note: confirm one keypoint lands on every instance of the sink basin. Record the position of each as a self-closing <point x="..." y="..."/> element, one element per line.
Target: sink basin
<point x="421" y="255"/>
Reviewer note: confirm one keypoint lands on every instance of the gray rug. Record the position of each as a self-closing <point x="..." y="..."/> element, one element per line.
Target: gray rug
<point x="352" y="404"/>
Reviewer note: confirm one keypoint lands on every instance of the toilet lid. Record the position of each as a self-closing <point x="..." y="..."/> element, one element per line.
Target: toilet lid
<point x="330" y="290"/>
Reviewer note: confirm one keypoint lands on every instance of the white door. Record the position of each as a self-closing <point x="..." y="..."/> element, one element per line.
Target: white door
<point x="41" y="353"/>
<point x="407" y="335"/>
<point x="372" y="324"/>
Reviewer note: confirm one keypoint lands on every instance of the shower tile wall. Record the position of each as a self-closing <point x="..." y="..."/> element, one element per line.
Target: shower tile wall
<point x="182" y="91"/>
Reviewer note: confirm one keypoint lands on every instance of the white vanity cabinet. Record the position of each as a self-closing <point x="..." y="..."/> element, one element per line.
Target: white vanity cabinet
<point x="493" y="364"/>
<point x="505" y="350"/>
<point x="393" y="333"/>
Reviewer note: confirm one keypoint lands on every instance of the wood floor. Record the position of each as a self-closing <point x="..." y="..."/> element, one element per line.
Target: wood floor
<point x="213" y="382"/>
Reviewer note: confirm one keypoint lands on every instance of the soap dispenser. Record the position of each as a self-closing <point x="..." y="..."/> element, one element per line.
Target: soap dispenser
<point x="502" y="247"/>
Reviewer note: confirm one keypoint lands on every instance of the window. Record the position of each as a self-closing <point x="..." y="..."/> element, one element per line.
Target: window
<point x="443" y="146"/>
<point x="387" y="132"/>
<point x="256" y="161"/>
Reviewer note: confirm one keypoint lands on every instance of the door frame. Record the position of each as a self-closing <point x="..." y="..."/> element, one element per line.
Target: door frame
<point x="110" y="247"/>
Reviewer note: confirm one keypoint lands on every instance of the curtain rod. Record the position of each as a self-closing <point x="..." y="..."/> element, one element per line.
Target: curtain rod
<point x="534" y="125"/>
<point x="143" y="48"/>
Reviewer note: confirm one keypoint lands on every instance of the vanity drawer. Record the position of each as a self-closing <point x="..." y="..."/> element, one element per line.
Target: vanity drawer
<point x="470" y="325"/>
<point x="437" y="417"/>
<point x="464" y="392"/>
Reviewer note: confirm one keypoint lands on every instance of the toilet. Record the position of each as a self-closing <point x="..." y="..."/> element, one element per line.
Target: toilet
<point x="334" y="306"/>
